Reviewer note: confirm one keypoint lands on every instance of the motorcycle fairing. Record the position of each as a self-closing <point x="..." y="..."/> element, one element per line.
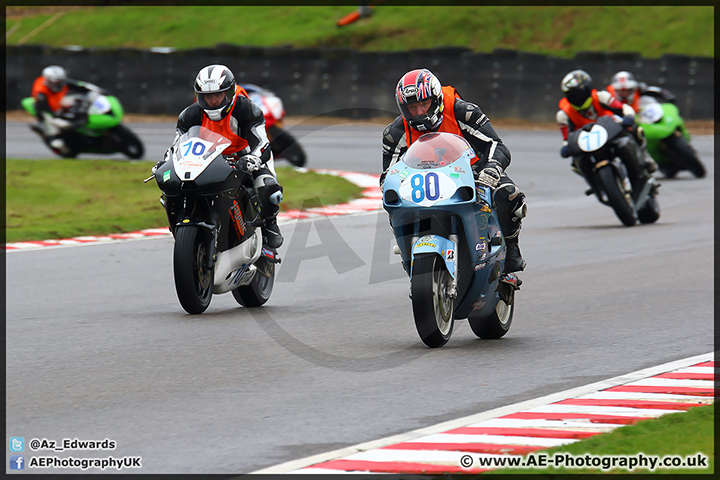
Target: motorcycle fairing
<point x="442" y="246"/>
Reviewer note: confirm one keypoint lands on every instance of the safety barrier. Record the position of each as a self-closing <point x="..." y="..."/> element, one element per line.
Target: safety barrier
<point x="345" y="82"/>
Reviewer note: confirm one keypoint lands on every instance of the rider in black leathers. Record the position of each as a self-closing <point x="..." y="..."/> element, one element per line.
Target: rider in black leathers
<point x="223" y="108"/>
<point x="426" y="106"/>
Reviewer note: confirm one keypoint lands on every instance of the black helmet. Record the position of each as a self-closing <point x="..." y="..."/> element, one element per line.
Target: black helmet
<point x="577" y="87"/>
<point x="211" y="80"/>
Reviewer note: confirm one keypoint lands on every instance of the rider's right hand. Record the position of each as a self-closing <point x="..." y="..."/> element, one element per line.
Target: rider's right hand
<point x="564" y="151"/>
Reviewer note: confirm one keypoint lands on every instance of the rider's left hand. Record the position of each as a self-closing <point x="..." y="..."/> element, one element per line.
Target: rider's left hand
<point x="489" y="176"/>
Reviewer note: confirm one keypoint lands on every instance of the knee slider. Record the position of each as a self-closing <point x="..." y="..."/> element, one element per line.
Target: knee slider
<point x="268" y="189"/>
<point x="520" y="212"/>
<point x="519" y="208"/>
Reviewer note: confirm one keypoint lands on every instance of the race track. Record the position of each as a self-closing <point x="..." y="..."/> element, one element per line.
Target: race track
<point x="99" y="347"/>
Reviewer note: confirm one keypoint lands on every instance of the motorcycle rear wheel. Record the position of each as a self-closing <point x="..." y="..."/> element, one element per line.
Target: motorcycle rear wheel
<point x="284" y="145"/>
<point x="191" y="267"/>
<point x="497" y="323"/>
<point x="433" y="309"/>
<point x="128" y="143"/>
<point x="620" y="201"/>
<point x="258" y="292"/>
<point x="683" y="154"/>
<point x="650" y="212"/>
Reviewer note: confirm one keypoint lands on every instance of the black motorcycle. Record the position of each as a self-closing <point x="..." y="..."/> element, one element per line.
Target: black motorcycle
<point x="214" y="215"/>
<point x="597" y="148"/>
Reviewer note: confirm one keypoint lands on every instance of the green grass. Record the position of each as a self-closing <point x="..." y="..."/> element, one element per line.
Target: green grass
<point x="560" y="30"/>
<point x="681" y="434"/>
<point x="56" y="198"/>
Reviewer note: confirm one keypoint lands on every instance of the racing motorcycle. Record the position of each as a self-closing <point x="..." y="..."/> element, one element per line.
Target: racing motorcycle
<point x="597" y="146"/>
<point x="90" y="123"/>
<point x="668" y="140"/>
<point x="282" y="143"/>
<point x="449" y="237"/>
<point x="213" y="213"/>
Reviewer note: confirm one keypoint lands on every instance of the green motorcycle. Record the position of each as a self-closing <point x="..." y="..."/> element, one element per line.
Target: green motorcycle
<point x="668" y="140"/>
<point x="88" y="123"/>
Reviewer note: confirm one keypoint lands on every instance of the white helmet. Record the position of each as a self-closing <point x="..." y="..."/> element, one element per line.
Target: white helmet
<point x="54" y="77"/>
<point x="215" y="79"/>
<point x="625" y="85"/>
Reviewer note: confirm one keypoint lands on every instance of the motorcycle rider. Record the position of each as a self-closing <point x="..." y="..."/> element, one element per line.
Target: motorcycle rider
<point x="582" y="104"/>
<point x="426" y="106"/>
<point x="48" y="90"/>
<point x="223" y="108"/>
<point x="625" y="88"/>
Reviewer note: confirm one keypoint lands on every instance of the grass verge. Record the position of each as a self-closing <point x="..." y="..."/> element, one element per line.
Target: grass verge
<point x="561" y="31"/>
<point x="49" y="199"/>
<point x="685" y="435"/>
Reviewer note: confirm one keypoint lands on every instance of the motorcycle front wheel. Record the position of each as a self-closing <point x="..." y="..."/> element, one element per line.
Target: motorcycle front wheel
<point x="620" y="200"/>
<point x="258" y="292"/>
<point x="191" y="267"/>
<point x="497" y="323"/>
<point x="433" y="308"/>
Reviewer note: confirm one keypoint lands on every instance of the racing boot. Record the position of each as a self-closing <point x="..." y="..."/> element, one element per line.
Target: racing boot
<point x="271" y="233"/>
<point x="513" y="261"/>
<point x="59" y="146"/>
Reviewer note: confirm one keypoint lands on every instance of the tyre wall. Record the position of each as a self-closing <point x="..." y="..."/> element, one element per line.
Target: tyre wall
<point x="347" y="83"/>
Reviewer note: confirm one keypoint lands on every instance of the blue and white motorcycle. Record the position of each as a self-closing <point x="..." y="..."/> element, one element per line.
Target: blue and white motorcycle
<point x="449" y="237"/>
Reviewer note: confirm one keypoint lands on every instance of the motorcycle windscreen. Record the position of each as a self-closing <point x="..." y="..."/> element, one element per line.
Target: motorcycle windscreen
<point x="437" y="150"/>
<point x="195" y="150"/>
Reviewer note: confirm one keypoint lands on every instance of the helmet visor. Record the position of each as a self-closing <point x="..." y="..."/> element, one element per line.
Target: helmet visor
<point x="214" y="100"/>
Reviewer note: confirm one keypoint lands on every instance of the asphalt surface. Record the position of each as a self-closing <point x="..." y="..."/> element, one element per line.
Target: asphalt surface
<point x="99" y="347"/>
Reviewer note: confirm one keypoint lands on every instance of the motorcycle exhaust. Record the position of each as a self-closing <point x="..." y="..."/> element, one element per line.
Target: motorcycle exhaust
<point x="235" y="267"/>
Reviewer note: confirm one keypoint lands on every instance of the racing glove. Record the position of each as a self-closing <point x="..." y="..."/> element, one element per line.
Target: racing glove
<point x="166" y="157"/>
<point x="628" y="121"/>
<point x="490" y="175"/>
<point x="252" y="162"/>
<point x="564" y="151"/>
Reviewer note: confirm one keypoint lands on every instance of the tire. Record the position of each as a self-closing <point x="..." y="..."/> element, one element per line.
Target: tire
<point x="650" y="212"/>
<point x="620" y="201"/>
<point x="685" y="155"/>
<point x="191" y="267"/>
<point x="433" y="310"/>
<point x="496" y="324"/>
<point x="128" y="143"/>
<point x="285" y="146"/>
<point x="258" y="292"/>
